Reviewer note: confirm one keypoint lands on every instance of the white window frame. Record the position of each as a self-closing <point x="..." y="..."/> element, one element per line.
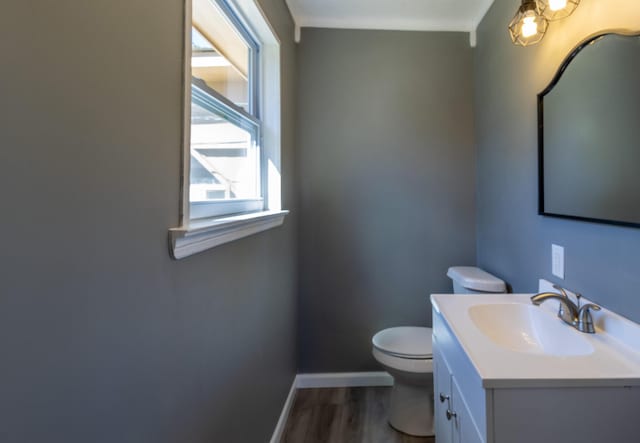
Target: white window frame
<point x="218" y="104"/>
<point x="197" y="235"/>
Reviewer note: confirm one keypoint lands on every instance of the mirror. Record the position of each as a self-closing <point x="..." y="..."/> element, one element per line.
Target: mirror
<point x="589" y="134"/>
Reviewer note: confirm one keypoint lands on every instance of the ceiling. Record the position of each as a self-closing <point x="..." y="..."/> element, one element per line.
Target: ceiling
<point x="415" y="15"/>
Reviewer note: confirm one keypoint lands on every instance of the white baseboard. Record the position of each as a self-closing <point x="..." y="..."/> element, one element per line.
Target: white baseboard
<point x="327" y="380"/>
<point x="343" y="379"/>
<point x="282" y="421"/>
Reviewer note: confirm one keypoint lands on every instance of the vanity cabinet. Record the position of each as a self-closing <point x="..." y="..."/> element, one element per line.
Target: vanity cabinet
<point x="452" y="417"/>
<point x="470" y="409"/>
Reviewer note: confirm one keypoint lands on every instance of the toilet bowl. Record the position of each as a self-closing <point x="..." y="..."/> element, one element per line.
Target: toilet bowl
<point x="406" y="353"/>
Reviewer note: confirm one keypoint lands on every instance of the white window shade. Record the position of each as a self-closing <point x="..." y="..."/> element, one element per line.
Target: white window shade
<point x="211" y="23"/>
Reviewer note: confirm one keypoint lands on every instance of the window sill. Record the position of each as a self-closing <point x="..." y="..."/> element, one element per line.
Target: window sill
<point x="202" y="235"/>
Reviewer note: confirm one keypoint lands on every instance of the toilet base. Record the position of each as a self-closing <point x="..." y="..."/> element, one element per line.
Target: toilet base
<point x="411" y="409"/>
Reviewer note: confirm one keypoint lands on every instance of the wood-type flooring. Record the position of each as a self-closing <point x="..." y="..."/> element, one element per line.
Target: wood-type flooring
<point x="343" y="415"/>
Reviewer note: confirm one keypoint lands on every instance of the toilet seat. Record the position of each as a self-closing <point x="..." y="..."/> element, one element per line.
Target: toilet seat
<point x="405" y="348"/>
<point x="409" y="365"/>
<point x="410" y="342"/>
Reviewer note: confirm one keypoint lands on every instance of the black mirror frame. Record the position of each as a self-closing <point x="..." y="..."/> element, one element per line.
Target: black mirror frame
<point x="556" y="78"/>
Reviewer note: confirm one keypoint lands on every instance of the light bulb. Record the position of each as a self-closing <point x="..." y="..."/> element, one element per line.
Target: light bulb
<point x="557" y="9"/>
<point x="556" y="5"/>
<point x="529" y="27"/>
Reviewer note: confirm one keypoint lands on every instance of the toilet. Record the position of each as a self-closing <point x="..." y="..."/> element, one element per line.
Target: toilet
<point x="405" y="352"/>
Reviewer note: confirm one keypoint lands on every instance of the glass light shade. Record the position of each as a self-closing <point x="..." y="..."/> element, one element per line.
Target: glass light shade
<point x="528" y="25"/>
<point x="557" y="9"/>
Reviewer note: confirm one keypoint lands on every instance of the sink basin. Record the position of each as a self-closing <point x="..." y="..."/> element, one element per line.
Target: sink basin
<point x="527" y="328"/>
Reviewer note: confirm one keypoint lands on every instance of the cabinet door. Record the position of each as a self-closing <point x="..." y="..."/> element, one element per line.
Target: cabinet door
<point x="442" y="398"/>
<point x="464" y="429"/>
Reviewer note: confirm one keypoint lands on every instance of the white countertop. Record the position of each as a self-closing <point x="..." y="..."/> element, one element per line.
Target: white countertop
<point x="615" y="360"/>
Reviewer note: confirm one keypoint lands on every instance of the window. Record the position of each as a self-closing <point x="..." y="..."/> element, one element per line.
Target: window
<point x="225" y="124"/>
<point x="231" y="161"/>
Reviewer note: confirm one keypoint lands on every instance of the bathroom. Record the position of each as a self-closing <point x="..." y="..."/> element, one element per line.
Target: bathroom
<point x="401" y="153"/>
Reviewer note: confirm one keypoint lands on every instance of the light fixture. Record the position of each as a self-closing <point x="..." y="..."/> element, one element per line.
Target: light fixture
<point x="557" y="9"/>
<point x="528" y="25"/>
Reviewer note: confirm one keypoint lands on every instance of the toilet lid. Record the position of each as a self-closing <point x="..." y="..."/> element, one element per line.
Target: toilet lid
<point x="476" y="279"/>
<point x="405" y="341"/>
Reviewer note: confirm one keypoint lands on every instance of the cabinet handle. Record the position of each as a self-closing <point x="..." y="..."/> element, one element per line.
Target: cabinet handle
<point x="451" y="414"/>
<point x="443" y="397"/>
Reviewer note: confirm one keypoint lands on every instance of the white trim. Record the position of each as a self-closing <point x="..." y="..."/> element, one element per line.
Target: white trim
<point x="296" y="33"/>
<point x="284" y="415"/>
<point x="481" y="15"/>
<point x="253" y="11"/>
<point x="203" y="235"/>
<point x="344" y="379"/>
<point x="294" y="11"/>
<point x="385" y="24"/>
<point x="302" y="20"/>
<point x="473" y="39"/>
<point x="186" y="116"/>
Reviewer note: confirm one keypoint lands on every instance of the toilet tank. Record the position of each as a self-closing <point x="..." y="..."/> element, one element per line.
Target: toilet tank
<point x="472" y="280"/>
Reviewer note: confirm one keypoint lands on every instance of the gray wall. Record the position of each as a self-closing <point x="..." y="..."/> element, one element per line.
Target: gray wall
<point x="103" y="337"/>
<point x="513" y="241"/>
<point x="386" y="164"/>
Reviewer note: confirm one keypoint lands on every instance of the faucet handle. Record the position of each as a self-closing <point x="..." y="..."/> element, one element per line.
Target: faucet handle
<point x="585" y="320"/>
<point x="588" y="306"/>
<point x="561" y="289"/>
<point x="578" y="298"/>
<point x="561" y="309"/>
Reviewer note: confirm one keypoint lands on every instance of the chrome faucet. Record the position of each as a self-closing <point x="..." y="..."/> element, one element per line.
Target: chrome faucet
<point x="571" y="313"/>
